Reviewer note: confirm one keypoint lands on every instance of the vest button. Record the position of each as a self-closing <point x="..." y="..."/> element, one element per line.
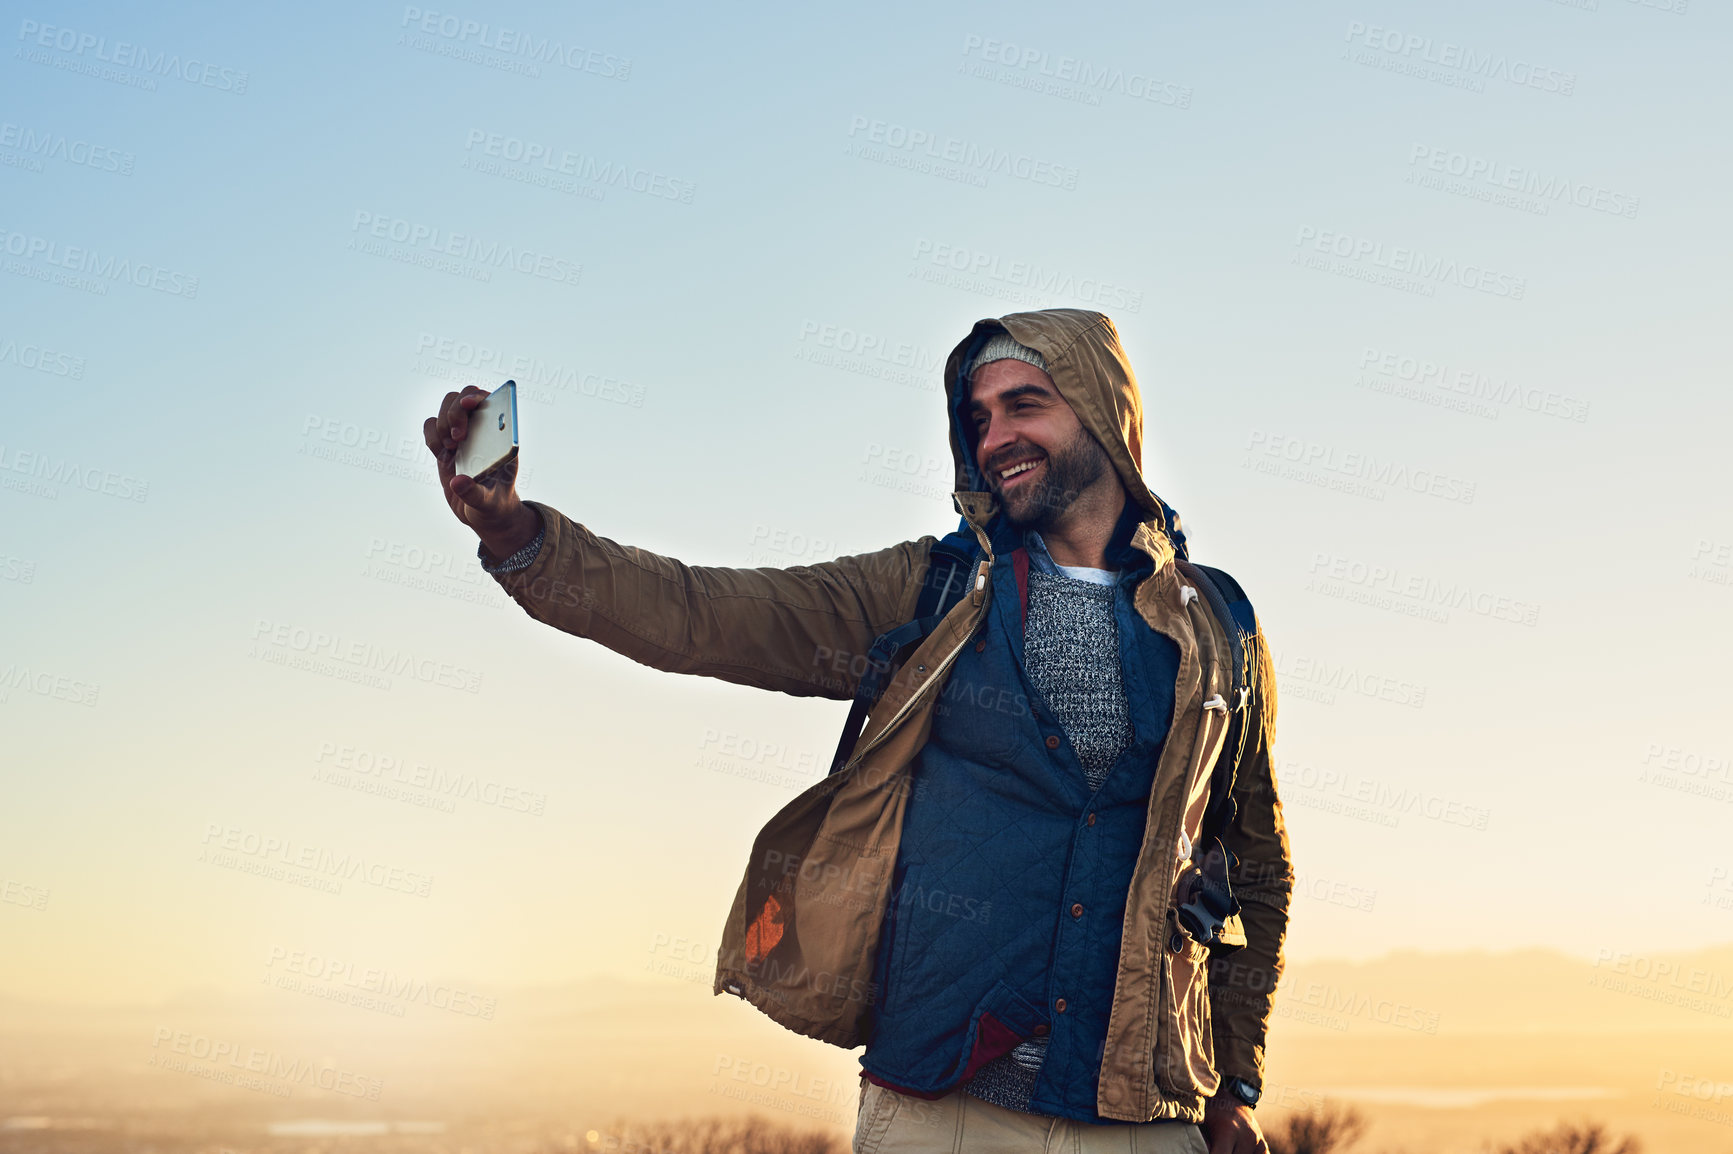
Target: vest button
<point x="1052" y="741"/>
<point x="1076" y="909"/>
<point x="1176" y="943"/>
<point x="1059" y="1006"/>
<point x="1043" y="1030"/>
<point x="980" y="647"/>
<point x="1091" y="820"/>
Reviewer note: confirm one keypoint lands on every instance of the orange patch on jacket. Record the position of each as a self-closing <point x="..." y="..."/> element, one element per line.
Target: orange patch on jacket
<point x="765" y="931"/>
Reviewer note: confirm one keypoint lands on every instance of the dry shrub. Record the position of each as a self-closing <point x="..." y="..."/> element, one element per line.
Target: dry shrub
<point x="750" y="1135"/>
<point x="1331" y="1126"/>
<point x="1573" y="1138"/>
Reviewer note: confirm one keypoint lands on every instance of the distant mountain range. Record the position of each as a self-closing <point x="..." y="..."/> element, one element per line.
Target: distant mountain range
<point x="1428" y="1043"/>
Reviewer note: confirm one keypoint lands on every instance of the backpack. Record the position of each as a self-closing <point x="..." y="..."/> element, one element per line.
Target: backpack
<point x="1207" y="903"/>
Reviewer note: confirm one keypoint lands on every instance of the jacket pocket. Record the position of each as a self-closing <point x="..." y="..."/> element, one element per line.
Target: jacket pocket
<point x="979" y="719"/>
<point x="878" y="1109"/>
<point x="1185" y="1043"/>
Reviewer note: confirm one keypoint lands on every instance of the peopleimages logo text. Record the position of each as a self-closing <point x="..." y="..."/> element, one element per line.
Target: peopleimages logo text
<point x="513" y="42"/>
<point x="72" y="474"/>
<point x="1363" y="466"/>
<point x="1025" y="275"/>
<point x="1412" y="262"/>
<point x="41" y="359"/>
<point x="1526" y="181"/>
<point x="1448" y="54"/>
<point x="315" y="643"/>
<point x="970" y="156"/>
<point x="317" y="860"/>
<point x="491" y="254"/>
<point x="90" y="262"/>
<point x="578" y="165"/>
<point x="47" y="145"/>
<point x="123" y="54"/>
<point x="1089" y="77"/>
<point x="1392" y="581"/>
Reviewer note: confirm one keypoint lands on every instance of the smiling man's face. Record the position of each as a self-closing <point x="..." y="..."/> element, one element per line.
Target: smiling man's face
<point x="1036" y="455"/>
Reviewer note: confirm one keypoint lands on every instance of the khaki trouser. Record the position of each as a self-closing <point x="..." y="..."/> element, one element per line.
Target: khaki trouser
<point x="893" y="1123"/>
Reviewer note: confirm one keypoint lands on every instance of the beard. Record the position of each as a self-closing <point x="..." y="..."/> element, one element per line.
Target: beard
<point x="1065" y="474"/>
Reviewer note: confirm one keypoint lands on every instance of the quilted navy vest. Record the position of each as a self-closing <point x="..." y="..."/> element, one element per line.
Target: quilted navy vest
<point x="1009" y="895"/>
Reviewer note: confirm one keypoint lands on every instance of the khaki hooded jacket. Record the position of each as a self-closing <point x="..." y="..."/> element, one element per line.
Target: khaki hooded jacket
<point x="800" y="938"/>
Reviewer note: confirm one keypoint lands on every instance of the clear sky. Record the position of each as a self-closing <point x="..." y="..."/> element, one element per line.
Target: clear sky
<point x="1427" y="301"/>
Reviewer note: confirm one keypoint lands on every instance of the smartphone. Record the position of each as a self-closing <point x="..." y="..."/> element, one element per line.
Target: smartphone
<point x="492" y="437"/>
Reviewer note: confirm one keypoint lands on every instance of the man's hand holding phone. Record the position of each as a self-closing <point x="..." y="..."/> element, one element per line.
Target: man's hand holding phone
<point x="488" y="504"/>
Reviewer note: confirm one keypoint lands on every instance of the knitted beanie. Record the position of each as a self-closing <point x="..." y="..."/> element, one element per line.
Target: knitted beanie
<point x="1003" y="346"/>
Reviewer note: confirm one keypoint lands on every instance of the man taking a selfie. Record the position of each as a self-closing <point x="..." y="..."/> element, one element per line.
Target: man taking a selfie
<point x="1047" y="884"/>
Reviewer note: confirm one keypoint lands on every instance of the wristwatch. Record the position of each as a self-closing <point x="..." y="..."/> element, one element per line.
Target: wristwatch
<point x="1242" y="1090"/>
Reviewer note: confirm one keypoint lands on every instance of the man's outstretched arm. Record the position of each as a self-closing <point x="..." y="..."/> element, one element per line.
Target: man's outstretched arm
<point x="804" y="630"/>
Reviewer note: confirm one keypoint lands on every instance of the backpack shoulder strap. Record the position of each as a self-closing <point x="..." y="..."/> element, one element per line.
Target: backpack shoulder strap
<point x="943" y="585"/>
<point x="1210" y="912"/>
<point x="1233" y="610"/>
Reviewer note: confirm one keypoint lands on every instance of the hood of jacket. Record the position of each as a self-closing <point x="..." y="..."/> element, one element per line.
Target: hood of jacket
<point x="1090" y="369"/>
